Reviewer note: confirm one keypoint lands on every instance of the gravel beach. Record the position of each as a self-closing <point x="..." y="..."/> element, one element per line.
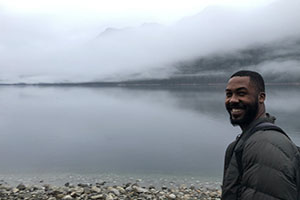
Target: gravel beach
<point x="112" y="188"/>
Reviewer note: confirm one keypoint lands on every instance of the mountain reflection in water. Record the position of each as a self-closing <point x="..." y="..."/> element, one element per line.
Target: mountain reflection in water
<point x="177" y="130"/>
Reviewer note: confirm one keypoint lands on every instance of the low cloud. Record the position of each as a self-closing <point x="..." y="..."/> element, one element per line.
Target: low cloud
<point x="40" y="49"/>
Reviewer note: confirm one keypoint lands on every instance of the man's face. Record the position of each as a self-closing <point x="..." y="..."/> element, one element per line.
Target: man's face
<point x="241" y="100"/>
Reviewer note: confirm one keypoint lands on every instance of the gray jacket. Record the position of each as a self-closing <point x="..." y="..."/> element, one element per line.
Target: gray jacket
<point x="270" y="166"/>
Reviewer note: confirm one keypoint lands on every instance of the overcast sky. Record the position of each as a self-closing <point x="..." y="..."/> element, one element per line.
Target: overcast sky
<point x="123" y="12"/>
<point x="58" y="40"/>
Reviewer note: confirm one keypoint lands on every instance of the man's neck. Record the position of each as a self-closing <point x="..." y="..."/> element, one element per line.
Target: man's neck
<point x="259" y="115"/>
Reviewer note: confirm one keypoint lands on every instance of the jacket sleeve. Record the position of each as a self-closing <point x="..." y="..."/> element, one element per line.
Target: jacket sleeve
<point x="270" y="167"/>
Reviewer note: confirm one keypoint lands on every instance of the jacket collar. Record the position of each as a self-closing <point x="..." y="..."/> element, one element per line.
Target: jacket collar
<point x="266" y="118"/>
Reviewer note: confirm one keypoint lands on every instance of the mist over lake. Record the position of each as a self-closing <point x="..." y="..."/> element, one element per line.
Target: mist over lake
<point x="136" y="130"/>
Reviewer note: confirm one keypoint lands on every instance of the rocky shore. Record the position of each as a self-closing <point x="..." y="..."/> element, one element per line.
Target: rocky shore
<point x="128" y="191"/>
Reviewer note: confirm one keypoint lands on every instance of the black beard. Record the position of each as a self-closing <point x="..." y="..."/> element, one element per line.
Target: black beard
<point x="251" y="111"/>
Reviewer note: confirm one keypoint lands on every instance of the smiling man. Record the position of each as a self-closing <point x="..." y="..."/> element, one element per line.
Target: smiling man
<point x="262" y="163"/>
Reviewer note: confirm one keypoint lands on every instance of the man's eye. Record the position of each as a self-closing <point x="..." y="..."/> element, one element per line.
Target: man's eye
<point x="242" y="93"/>
<point x="228" y="94"/>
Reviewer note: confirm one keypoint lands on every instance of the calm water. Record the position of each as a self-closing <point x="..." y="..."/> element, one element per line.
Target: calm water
<point x="174" y="131"/>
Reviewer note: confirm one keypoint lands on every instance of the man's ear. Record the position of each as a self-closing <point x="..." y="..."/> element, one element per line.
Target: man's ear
<point x="261" y="97"/>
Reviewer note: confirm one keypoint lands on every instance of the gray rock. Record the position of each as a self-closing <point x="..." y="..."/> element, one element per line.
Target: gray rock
<point x="99" y="196"/>
<point x="113" y="190"/>
<point x="121" y="189"/>
<point x="21" y="186"/>
<point x="15" y="190"/>
<point x="101" y="184"/>
<point x="67" y="197"/>
<point x="109" y="197"/>
<point x="140" y="189"/>
<point x="172" y="196"/>
<point x="95" y="189"/>
<point x="78" y="190"/>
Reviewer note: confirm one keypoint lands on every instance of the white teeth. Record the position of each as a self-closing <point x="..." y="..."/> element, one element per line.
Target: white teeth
<point x="236" y="110"/>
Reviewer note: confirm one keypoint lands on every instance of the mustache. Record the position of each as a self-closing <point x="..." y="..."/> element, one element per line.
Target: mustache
<point x="236" y="105"/>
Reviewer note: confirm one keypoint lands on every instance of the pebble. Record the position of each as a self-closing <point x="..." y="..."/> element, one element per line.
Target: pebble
<point x="140" y="189"/>
<point x="109" y="197"/>
<point x="172" y="196"/>
<point x="98" y="196"/>
<point x="21" y="186"/>
<point x="113" y="190"/>
<point x="95" y="189"/>
<point x="67" y="197"/>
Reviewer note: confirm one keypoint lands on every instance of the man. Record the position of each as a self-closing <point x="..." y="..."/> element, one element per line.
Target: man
<point x="261" y="165"/>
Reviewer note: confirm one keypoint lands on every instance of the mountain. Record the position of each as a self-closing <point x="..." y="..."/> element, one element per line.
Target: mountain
<point x="110" y="31"/>
<point x="211" y="45"/>
<point x="278" y="62"/>
<point x="205" y="48"/>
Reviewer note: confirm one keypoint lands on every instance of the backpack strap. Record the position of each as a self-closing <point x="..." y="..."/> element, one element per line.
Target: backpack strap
<point x="229" y="153"/>
<point x="265" y="126"/>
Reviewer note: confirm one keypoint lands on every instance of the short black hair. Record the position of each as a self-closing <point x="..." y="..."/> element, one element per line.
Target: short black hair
<point x="255" y="78"/>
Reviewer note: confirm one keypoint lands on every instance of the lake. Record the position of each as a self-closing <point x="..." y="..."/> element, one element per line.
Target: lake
<point x="117" y="130"/>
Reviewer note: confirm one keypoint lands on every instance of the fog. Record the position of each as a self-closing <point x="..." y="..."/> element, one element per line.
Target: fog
<point x="40" y="47"/>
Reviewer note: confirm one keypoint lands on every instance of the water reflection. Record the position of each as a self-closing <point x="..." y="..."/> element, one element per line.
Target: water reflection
<point x="126" y="130"/>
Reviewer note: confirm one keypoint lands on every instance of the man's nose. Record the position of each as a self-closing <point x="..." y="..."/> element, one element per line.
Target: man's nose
<point x="234" y="99"/>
